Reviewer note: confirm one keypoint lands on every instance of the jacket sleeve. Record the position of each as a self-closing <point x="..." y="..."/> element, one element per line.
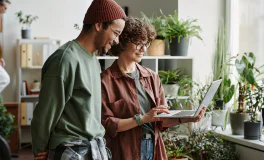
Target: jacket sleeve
<point x="108" y="120"/>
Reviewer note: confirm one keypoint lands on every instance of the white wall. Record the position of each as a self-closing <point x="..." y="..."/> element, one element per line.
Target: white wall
<point x="56" y="20"/>
<point x="208" y="13"/>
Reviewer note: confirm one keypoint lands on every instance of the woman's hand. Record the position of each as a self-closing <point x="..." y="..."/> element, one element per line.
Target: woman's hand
<point x="42" y="156"/>
<point x="149" y="117"/>
<point x="169" y="122"/>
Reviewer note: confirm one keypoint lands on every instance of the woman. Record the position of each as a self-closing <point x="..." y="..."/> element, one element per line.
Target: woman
<point x="132" y="95"/>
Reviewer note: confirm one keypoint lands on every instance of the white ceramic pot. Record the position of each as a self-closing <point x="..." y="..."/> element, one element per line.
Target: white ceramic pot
<point x="218" y="117"/>
<point x="171" y="89"/>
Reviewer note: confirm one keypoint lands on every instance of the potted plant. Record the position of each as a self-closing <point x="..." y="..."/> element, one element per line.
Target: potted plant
<point x="36" y="85"/>
<point x="247" y="78"/>
<point x="170" y="81"/>
<point x="179" y="32"/>
<point x="254" y="101"/>
<point x="221" y="70"/>
<point x="26" y="21"/>
<point x="6" y="120"/>
<point x="157" y="47"/>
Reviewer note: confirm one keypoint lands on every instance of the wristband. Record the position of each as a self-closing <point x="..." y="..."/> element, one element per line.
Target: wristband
<point x="138" y="119"/>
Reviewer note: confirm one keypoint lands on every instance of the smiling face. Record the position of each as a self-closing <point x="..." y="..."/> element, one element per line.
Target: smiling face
<point x="135" y="51"/>
<point x="106" y="38"/>
<point x="134" y="40"/>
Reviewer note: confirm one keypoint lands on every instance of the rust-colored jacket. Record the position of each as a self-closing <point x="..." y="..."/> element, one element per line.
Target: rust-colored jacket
<point x="120" y="101"/>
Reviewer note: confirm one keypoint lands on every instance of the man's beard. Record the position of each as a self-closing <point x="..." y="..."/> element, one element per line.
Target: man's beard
<point x="103" y="52"/>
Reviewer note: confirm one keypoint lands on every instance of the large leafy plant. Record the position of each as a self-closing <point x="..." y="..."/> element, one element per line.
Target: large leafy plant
<point x="6" y="120"/>
<point x="179" y="28"/>
<point x="248" y="75"/>
<point x="25" y="20"/>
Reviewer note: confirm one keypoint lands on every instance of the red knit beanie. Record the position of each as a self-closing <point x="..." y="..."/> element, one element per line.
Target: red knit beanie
<point x="103" y="11"/>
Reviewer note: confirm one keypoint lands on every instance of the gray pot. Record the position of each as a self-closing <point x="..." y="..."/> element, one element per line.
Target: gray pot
<point x="237" y="122"/>
<point x="252" y="130"/>
<point x="26" y="33"/>
<point x="179" y="48"/>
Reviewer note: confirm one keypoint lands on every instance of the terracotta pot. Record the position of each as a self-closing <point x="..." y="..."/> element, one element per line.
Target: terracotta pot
<point x="157" y="48"/>
<point x="178" y="159"/>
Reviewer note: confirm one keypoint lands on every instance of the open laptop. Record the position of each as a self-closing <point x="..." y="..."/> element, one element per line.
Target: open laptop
<point x="193" y="113"/>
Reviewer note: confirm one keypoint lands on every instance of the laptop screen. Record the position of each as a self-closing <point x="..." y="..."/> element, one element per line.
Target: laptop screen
<point x="209" y="95"/>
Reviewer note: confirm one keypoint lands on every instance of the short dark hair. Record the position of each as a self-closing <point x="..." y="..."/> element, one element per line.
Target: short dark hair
<point x="7" y="1"/>
<point x="87" y="27"/>
<point x="135" y="31"/>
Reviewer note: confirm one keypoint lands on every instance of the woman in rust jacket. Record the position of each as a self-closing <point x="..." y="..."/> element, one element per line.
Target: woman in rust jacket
<point x="132" y="95"/>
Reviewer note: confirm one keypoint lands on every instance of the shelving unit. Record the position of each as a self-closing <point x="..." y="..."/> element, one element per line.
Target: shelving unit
<point x="30" y="74"/>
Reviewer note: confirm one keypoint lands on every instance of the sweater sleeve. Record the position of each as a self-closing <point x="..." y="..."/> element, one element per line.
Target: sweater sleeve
<point x="47" y="112"/>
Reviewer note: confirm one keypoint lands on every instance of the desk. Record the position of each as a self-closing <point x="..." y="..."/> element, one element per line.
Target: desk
<point x="247" y="149"/>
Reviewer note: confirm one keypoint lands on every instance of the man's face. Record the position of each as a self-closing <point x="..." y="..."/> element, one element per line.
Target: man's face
<point x="107" y="38"/>
<point x="3" y="7"/>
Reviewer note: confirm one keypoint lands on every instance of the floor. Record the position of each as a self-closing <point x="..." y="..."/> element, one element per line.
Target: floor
<point x="24" y="154"/>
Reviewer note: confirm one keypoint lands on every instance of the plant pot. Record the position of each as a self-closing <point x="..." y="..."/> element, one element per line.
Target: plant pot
<point x="237" y="122"/>
<point x="171" y="89"/>
<point x="218" y="117"/>
<point x="36" y="85"/>
<point x="157" y="48"/>
<point x="179" y="48"/>
<point x="252" y="130"/>
<point x="26" y="33"/>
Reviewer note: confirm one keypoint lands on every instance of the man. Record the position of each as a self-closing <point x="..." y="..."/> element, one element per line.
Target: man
<point x="4" y="77"/>
<point x="67" y="120"/>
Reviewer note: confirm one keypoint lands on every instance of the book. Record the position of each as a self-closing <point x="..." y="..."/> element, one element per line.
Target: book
<point x="23" y="55"/>
<point x="23" y="117"/>
<point x="29" y="55"/>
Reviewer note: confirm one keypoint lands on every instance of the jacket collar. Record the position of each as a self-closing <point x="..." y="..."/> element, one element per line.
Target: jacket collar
<point x="116" y="72"/>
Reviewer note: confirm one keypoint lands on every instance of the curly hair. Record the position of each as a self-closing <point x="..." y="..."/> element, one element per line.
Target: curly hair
<point x="135" y="31"/>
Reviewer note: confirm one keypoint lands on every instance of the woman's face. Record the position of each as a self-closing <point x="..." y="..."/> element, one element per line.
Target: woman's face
<point x="135" y="51"/>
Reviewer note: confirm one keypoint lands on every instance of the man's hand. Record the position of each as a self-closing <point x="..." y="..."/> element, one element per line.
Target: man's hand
<point x="2" y="62"/>
<point x="42" y="156"/>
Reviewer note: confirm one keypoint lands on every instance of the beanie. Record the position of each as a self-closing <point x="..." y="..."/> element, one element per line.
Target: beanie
<point x="103" y="11"/>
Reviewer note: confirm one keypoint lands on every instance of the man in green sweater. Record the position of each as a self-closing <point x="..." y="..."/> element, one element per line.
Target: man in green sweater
<point x="67" y="120"/>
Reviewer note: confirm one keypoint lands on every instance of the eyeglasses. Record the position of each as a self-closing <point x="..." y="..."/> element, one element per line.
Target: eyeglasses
<point x="115" y="32"/>
<point x="139" y="46"/>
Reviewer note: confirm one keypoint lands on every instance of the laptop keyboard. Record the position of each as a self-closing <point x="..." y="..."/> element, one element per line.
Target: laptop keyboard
<point x="184" y="113"/>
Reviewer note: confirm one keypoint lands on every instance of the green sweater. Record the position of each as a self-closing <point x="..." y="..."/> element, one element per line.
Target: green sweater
<point x="69" y="105"/>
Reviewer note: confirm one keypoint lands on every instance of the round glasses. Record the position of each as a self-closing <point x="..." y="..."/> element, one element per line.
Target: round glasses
<point x="139" y="46"/>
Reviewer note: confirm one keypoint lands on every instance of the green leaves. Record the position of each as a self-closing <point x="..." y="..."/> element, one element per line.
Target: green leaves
<point x="170" y="76"/>
<point x="170" y="26"/>
<point x="25" y="20"/>
<point x="6" y="120"/>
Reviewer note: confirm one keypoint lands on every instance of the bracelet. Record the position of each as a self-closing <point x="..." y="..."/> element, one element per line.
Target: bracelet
<point x="138" y="119"/>
<point x="180" y="121"/>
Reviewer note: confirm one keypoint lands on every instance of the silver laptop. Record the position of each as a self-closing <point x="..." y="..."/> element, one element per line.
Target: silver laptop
<point x="193" y="113"/>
